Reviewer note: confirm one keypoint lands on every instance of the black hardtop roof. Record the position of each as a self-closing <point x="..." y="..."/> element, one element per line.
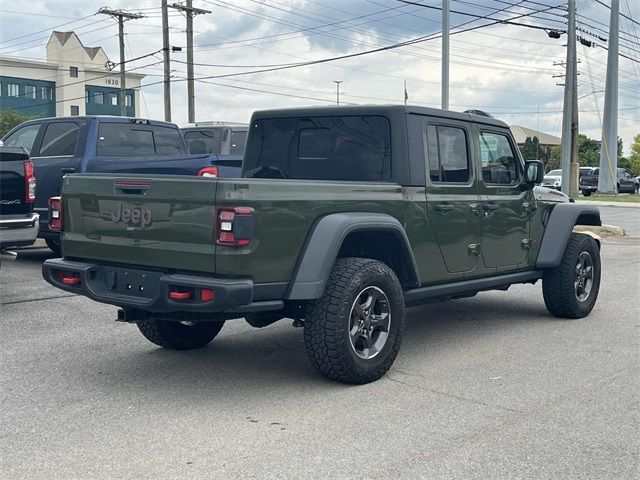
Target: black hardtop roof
<point x="102" y="118"/>
<point x="384" y="110"/>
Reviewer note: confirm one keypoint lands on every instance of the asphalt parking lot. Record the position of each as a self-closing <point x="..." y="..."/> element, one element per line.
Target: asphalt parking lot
<point x="487" y="387"/>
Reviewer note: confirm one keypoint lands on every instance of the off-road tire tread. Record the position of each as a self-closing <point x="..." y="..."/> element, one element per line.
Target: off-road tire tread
<point x="557" y="283"/>
<point x="325" y="337"/>
<point x="176" y="336"/>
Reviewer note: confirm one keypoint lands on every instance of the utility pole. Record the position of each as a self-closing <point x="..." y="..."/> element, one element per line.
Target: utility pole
<point x="574" y="166"/>
<point x="608" y="178"/>
<point x="190" y="12"/>
<point x="567" y="115"/>
<point x="445" y="54"/>
<point x="167" y="61"/>
<point x="337" y="82"/>
<point x="122" y="17"/>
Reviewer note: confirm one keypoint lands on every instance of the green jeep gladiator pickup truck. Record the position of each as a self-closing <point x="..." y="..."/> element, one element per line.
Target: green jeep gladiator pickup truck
<point x="343" y="217"/>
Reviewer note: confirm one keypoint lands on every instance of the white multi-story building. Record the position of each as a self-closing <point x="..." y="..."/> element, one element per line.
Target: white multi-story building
<point x="72" y="81"/>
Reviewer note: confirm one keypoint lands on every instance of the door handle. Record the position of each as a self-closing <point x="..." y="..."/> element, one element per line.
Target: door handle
<point x="490" y="207"/>
<point x="444" y="207"/>
<point x="475" y="208"/>
<point x="67" y="170"/>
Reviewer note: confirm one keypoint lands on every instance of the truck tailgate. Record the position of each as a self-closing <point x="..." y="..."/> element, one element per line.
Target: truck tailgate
<point x="165" y="222"/>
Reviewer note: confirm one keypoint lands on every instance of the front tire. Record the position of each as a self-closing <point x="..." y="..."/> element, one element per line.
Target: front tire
<point x="570" y="290"/>
<point x="586" y="193"/>
<point x="179" y="335"/>
<point x="353" y="333"/>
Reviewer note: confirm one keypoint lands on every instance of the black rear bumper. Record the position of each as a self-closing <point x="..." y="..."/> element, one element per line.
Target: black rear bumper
<point x="147" y="290"/>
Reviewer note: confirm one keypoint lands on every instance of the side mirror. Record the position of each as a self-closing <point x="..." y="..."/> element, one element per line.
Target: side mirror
<point x="533" y="172"/>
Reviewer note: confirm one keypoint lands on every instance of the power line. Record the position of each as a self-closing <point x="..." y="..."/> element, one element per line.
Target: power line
<point x="621" y="14"/>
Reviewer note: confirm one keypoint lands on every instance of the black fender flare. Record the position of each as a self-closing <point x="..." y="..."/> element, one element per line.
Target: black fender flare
<point x="323" y="245"/>
<point x="560" y="223"/>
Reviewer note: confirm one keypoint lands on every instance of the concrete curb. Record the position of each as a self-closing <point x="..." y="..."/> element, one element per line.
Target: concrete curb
<point x="600" y="232"/>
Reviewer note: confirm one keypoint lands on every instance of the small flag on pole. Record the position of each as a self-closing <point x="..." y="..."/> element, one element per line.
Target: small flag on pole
<point x="406" y="95"/>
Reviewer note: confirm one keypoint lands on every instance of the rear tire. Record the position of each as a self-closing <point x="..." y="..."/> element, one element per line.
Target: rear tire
<point x="570" y="290"/>
<point x="353" y="333"/>
<point x="55" y="245"/>
<point x="177" y="335"/>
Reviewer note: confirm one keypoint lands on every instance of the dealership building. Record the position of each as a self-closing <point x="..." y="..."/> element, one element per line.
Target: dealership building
<point x="72" y="81"/>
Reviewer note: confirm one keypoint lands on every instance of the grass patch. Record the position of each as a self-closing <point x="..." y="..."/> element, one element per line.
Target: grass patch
<point x="622" y="198"/>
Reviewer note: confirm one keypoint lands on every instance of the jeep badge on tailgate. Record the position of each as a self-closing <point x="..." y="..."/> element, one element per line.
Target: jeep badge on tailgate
<point x="132" y="216"/>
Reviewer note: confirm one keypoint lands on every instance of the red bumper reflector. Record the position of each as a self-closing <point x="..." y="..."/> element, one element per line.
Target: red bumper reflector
<point x="206" y="295"/>
<point x="179" y="295"/>
<point x="70" y="280"/>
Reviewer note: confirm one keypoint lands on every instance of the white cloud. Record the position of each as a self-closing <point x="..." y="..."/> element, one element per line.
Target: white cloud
<point x="504" y="69"/>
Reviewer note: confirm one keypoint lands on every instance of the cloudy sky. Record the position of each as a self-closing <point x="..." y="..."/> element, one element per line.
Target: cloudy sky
<point x="507" y="70"/>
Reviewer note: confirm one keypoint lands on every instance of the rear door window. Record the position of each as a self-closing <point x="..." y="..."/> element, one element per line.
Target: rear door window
<point x="23" y="137"/>
<point x="448" y="154"/>
<point x="60" y="139"/>
<point x="354" y="148"/>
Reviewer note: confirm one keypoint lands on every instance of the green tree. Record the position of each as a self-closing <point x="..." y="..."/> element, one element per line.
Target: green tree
<point x="634" y="158"/>
<point x="588" y="151"/>
<point x="9" y="119"/>
<point x="531" y="149"/>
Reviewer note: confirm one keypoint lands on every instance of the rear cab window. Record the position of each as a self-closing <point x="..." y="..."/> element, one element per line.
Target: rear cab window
<point x="355" y="148"/>
<point x="128" y="139"/>
<point x="204" y="141"/>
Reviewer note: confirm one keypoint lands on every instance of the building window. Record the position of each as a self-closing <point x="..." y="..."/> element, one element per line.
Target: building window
<point x="13" y="90"/>
<point x="129" y="99"/>
<point x="98" y="98"/>
<point x="75" y="110"/>
<point x="46" y="93"/>
<point x="114" y="99"/>
<point x="30" y="91"/>
<point x="73" y="71"/>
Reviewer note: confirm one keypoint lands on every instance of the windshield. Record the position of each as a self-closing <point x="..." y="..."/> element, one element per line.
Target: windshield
<point x="556" y="173"/>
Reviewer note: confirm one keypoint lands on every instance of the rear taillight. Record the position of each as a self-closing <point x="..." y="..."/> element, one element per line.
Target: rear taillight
<point x="29" y="183"/>
<point x="56" y="215"/>
<point x="208" y="172"/>
<point x="234" y="226"/>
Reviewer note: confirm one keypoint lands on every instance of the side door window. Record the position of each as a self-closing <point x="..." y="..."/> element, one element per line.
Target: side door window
<point x="500" y="165"/>
<point x="60" y="139"/>
<point x="24" y="137"/>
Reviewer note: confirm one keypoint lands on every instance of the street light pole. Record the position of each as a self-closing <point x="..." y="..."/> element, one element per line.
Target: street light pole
<point x="337" y="82"/>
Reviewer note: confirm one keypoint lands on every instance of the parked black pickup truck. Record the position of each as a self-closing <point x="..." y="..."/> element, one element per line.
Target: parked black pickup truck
<point x="625" y="183"/>
<point x="18" y="223"/>
<point x="63" y="145"/>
